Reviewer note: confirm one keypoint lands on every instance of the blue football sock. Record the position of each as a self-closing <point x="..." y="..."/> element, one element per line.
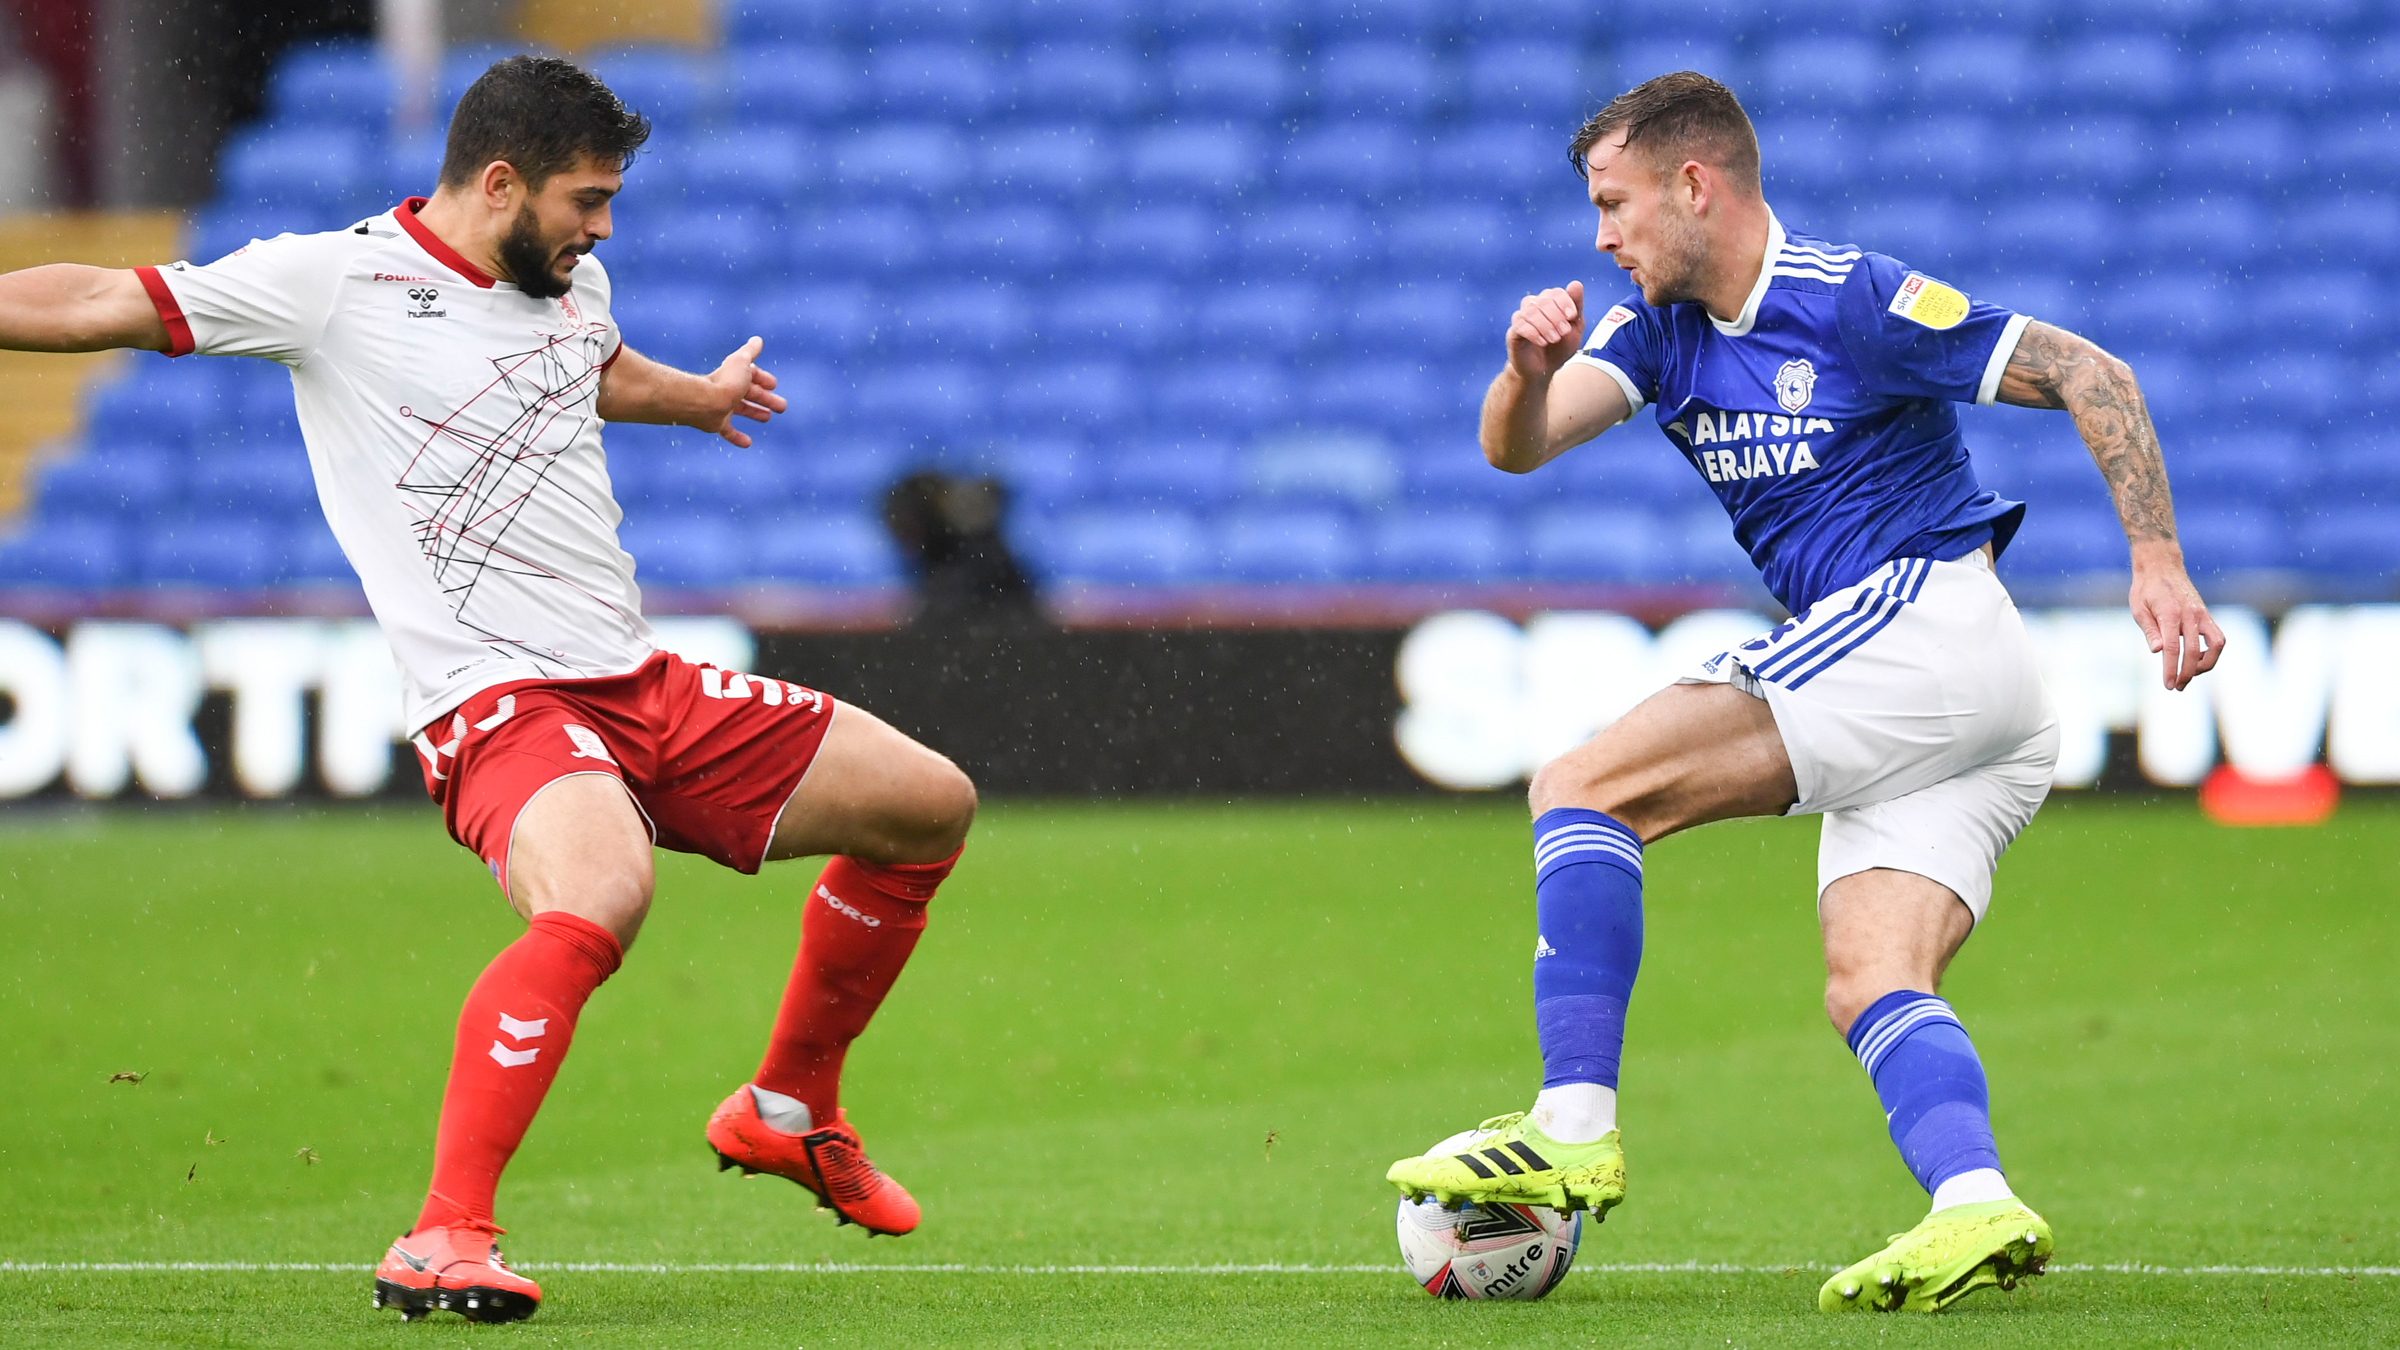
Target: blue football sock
<point x="1925" y="1071"/>
<point x="1587" y="899"/>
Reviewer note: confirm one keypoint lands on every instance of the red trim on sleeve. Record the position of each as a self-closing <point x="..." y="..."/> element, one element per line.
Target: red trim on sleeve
<point x="612" y="356"/>
<point x="432" y="243"/>
<point x="170" y="311"/>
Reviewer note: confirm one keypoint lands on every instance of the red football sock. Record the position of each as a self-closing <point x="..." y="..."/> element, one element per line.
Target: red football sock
<point x="511" y="1035"/>
<point x="856" y="931"/>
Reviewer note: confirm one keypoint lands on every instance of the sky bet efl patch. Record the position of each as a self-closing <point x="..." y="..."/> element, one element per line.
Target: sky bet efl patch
<point x="1929" y="302"/>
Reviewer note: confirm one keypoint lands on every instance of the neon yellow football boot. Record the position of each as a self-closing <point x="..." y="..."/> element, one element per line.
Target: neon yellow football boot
<point x="1507" y="1161"/>
<point x="1950" y="1255"/>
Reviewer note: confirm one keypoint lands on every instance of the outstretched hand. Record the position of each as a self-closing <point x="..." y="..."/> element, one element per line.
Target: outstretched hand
<point x="742" y="389"/>
<point x="2174" y="618"/>
<point x="1546" y="332"/>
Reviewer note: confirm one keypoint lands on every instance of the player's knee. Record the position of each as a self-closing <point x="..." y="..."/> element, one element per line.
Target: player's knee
<point x="1571" y="782"/>
<point x="950" y="807"/>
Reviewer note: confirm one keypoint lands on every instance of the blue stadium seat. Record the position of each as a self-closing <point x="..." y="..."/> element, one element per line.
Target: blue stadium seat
<point x="827" y="548"/>
<point x="752" y="23"/>
<point x="1266" y="317"/>
<point x="81" y="554"/>
<point x="133" y="481"/>
<point x="1810" y="154"/>
<point x="1084" y="80"/>
<point x="1028" y="239"/>
<point x="1095" y="21"/>
<point x="843" y="474"/>
<point x="2359" y="150"/>
<point x="1450" y="471"/>
<point x="2089" y="152"/>
<point x="1464" y="238"/>
<point x="1275" y="544"/>
<point x="2198" y="232"/>
<point x="1254" y="20"/>
<point x="993" y="318"/>
<point x="2189" y="309"/>
<point x="324" y="174"/>
<point x="1129" y="317"/>
<point x="220" y="553"/>
<point x="859" y="240"/>
<point x="1556" y="22"/>
<point x="2324" y="305"/>
<point x="1924" y="232"/>
<point x="829" y="317"/>
<point x="2127" y="71"/>
<point x="682" y="325"/>
<point x="793" y="82"/>
<point x="1240" y="394"/>
<point x="1149" y="546"/>
<point x="1065" y="160"/>
<point x="412" y="167"/>
<point x="1319" y="239"/>
<point x="1641" y="58"/>
<point x="2371" y="75"/>
<point x="2170" y="16"/>
<point x="1489" y="159"/>
<point x="1083" y="397"/>
<point x="1958" y="154"/>
<point x="1629" y="468"/>
<point x="1452" y="544"/>
<point x="306" y="551"/>
<point x="2274" y="389"/>
<point x="1389" y="392"/>
<point x="2176" y="385"/>
<point x="1169" y="239"/>
<point x="1328" y="466"/>
<point x="2065" y="542"/>
<point x="1381" y="18"/>
<point x="159" y="402"/>
<point x="1828" y="74"/>
<point x="1193" y="472"/>
<point x="1364" y="160"/>
<point x="1530" y="83"/>
<point x="1579" y="543"/>
<point x="2233" y="538"/>
<point x="1231" y="79"/>
<point x="908" y="159"/>
<point x="669" y="85"/>
<point x="1705" y="21"/>
<point x="701" y="475"/>
<point x="1842" y="17"/>
<point x="1040" y="472"/>
<point x="1977" y="72"/>
<point x="1194" y="160"/>
<point x="2066" y="232"/>
<point x="2239" y="150"/>
<point x="954" y="80"/>
<point x="2379" y="387"/>
<point x="813" y="391"/>
<point x="2265" y="464"/>
<point x="2354" y="230"/>
<point x="730" y="244"/>
<point x="681" y="548"/>
<point x="273" y="483"/>
<point x="2350" y="544"/>
<point x="763" y="165"/>
<point x="1443" y="317"/>
<point x="2285" y="68"/>
<point x="890" y="20"/>
<point x="340" y="83"/>
<point x="1377" y="77"/>
<point x="930" y="396"/>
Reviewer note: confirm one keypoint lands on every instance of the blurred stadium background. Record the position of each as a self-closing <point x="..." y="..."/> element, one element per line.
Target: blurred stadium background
<point x="1210" y="289"/>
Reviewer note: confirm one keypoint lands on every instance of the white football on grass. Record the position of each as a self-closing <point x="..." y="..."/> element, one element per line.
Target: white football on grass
<point x="1486" y="1251"/>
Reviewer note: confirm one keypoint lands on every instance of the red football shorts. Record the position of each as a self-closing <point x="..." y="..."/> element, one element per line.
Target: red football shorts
<point x="710" y="756"/>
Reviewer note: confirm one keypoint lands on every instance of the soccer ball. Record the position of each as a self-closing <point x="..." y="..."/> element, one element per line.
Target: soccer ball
<point x="1486" y="1251"/>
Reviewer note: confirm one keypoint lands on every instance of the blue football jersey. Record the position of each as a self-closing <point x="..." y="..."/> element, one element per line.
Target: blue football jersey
<point x="1822" y="416"/>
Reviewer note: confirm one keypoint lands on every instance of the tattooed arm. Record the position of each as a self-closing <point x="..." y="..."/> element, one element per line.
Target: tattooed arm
<point x="2053" y="368"/>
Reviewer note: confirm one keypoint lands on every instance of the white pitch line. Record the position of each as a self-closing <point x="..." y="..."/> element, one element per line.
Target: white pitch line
<point x="1270" y="1268"/>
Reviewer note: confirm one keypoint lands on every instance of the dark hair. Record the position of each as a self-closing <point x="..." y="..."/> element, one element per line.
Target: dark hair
<point x="1674" y="118"/>
<point x="540" y="114"/>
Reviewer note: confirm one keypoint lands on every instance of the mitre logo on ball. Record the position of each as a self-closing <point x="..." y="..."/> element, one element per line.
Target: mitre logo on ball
<point x="1795" y="384"/>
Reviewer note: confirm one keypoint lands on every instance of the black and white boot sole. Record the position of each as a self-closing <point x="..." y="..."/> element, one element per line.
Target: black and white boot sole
<point x="474" y="1302"/>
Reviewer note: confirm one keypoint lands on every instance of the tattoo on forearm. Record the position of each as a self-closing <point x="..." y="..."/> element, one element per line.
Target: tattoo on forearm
<point x="2056" y="369"/>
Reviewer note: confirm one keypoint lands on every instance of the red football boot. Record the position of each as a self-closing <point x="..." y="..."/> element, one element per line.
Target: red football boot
<point x="457" y="1270"/>
<point x="827" y="1160"/>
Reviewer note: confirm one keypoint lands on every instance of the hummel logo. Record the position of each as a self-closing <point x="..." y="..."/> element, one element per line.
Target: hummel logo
<point x="1542" y="947"/>
<point x="415" y="1262"/>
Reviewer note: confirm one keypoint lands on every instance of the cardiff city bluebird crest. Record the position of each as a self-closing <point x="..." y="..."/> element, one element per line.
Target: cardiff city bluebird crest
<point x="1794" y="384"/>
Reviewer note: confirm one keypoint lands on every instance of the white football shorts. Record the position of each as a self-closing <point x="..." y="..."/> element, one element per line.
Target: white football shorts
<point x="1915" y="717"/>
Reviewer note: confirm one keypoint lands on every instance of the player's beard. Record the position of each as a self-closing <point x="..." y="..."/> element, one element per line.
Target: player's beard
<point x="1679" y="259"/>
<point x="528" y="257"/>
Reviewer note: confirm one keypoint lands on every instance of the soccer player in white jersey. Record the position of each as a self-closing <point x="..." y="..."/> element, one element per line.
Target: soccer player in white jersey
<point x="453" y="361"/>
<point x="1814" y="386"/>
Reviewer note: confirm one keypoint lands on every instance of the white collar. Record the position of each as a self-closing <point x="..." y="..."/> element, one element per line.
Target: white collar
<point x="1766" y="267"/>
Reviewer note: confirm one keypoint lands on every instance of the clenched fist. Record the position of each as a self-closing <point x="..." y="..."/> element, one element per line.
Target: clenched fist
<point x="1546" y="332"/>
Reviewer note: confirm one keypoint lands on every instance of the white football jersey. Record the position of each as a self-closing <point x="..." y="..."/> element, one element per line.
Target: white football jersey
<point x="452" y="425"/>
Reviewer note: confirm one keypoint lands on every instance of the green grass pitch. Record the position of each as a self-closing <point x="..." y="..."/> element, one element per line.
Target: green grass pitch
<point x="2190" y="1033"/>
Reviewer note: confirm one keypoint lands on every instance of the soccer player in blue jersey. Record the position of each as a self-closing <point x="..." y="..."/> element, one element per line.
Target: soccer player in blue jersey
<point x="1812" y="384"/>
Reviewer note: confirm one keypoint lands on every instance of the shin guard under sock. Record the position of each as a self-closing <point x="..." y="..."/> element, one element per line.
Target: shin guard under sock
<point x="1588" y="902"/>
<point x="1931" y="1084"/>
<point x="860" y="924"/>
<point x="514" y="1030"/>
